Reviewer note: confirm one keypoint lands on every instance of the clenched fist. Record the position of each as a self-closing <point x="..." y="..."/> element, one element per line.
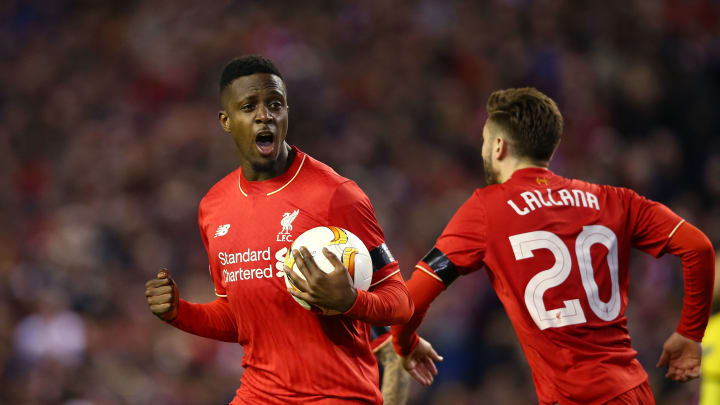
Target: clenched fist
<point x="162" y="296"/>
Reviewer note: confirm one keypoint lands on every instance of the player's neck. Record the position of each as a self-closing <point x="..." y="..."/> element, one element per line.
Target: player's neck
<point x="277" y="168"/>
<point x="510" y="167"/>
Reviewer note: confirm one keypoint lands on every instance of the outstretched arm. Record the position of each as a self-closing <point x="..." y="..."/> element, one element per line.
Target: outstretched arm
<point x="682" y="351"/>
<point x="418" y="355"/>
<point x="459" y="250"/>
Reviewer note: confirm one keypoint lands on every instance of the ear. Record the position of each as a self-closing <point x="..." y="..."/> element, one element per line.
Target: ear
<point x="224" y="120"/>
<point x="500" y="148"/>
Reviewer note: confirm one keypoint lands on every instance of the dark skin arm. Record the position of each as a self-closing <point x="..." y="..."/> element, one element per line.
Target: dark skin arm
<point x="332" y="290"/>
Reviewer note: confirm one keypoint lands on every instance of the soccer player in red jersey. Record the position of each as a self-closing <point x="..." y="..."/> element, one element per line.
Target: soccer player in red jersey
<point x="247" y="222"/>
<point x="557" y="253"/>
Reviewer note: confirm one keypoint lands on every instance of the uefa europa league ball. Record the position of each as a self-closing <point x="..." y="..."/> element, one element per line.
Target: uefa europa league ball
<point x="347" y="247"/>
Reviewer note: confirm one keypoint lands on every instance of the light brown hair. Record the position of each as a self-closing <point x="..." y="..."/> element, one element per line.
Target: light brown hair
<point x="531" y="120"/>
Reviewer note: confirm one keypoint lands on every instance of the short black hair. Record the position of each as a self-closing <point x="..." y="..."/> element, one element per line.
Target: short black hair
<point x="246" y="66"/>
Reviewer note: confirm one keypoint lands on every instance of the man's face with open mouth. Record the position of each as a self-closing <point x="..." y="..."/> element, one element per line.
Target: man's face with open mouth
<point x="257" y="117"/>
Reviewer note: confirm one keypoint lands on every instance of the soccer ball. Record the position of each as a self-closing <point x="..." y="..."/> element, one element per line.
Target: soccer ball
<point x="344" y="245"/>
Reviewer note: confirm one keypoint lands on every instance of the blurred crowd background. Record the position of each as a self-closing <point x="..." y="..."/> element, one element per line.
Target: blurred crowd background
<point x="109" y="138"/>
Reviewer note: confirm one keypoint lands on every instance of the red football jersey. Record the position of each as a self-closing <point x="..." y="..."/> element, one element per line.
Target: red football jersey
<point x="291" y="355"/>
<point x="557" y="253"/>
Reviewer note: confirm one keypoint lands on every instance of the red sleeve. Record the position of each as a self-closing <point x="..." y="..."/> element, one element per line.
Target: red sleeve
<point x="214" y="272"/>
<point x="423" y="288"/>
<point x="213" y="320"/>
<point x="464" y="239"/>
<point x="459" y="250"/>
<point x="652" y="223"/>
<point x="380" y="337"/>
<point x="350" y="209"/>
<point x="698" y="264"/>
<point x="387" y="303"/>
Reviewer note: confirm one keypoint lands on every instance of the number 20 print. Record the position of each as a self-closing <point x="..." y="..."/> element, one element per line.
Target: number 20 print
<point x="523" y="246"/>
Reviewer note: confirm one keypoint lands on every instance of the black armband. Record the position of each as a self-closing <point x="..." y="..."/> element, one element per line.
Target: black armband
<point x="441" y="266"/>
<point x="381" y="257"/>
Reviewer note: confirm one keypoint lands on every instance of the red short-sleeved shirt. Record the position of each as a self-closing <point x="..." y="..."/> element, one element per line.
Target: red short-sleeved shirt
<point x="291" y="355"/>
<point x="557" y="253"/>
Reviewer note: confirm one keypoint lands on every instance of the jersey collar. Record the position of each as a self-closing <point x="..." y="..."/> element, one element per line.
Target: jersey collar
<point x="539" y="175"/>
<point x="271" y="186"/>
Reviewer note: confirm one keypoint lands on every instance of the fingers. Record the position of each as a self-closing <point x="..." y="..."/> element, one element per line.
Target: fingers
<point x="430" y="366"/>
<point x="164" y="274"/>
<point x="337" y="264"/>
<point x="682" y="356"/>
<point x="663" y="361"/>
<point x="422" y="369"/>
<point x="434" y="356"/>
<point x="160" y="299"/>
<point x="305" y="263"/>
<point x="156" y="282"/>
<point x="302" y="295"/>
<point x="422" y="379"/>
<point x="693" y="373"/>
<point x="162" y="278"/>
<point x="152" y="292"/>
<point x="683" y="374"/>
<point x="296" y="280"/>
<point x="422" y="374"/>
<point x="162" y="296"/>
<point x="160" y="309"/>
<point x="676" y="375"/>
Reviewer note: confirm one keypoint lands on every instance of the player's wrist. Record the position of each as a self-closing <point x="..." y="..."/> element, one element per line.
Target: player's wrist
<point x="169" y="316"/>
<point x="350" y="301"/>
<point x="688" y="335"/>
<point x="405" y="347"/>
<point x="172" y="315"/>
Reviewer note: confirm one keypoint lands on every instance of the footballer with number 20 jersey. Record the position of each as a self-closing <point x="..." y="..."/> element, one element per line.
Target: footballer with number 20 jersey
<point x="557" y="253"/>
<point x="291" y="355"/>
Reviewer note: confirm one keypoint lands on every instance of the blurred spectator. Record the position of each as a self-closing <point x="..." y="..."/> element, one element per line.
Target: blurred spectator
<point x="52" y="333"/>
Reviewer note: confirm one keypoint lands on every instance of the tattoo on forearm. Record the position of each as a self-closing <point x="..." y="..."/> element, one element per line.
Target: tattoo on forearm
<point x="396" y="381"/>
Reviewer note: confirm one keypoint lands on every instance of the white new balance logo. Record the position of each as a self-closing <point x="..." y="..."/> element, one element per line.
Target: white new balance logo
<point x="222" y="230"/>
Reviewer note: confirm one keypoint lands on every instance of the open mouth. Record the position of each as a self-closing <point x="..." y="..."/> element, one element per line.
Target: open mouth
<point x="264" y="141"/>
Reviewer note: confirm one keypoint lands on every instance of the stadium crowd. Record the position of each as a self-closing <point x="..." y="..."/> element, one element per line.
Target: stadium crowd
<point x="109" y="139"/>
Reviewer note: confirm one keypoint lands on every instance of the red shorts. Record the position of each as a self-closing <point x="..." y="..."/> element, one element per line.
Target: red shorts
<point x="640" y="395"/>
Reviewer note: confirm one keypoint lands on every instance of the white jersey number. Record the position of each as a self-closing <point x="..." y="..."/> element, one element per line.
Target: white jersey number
<point x="524" y="244"/>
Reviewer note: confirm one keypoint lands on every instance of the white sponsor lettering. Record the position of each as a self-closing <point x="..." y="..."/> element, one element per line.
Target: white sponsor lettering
<point x="247" y="274"/>
<point x="280" y="262"/>
<point x="253" y="262"/>
<point x="243" y="257"/>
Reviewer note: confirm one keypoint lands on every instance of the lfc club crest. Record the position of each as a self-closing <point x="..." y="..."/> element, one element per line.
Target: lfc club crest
<point x="286" y="223"/>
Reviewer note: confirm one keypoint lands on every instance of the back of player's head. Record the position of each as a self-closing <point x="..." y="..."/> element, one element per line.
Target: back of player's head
<point x="531" y="120"/>
<point x="246" y="66"/>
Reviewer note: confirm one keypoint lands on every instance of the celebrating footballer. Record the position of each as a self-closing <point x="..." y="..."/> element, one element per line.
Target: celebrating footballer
<point x="247" y="222"/>
<point x="557" y="252"/>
